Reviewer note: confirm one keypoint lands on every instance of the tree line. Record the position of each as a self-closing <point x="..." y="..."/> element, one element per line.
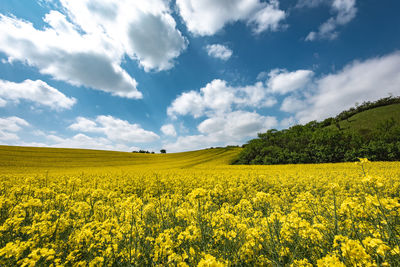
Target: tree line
<point x="326" y="141"/>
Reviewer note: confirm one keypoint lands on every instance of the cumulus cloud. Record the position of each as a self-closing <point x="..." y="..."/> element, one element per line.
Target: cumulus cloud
<point x="287" y="122"/>
<point x="187" y="103"/>
<point x="77" y="141"/>
<point x="236" y="125"/>
<point x="345" y="12"/>
<point x="219" y="51"/>
<point x="114" y="129"/>
<point x="267" y="18"/>
<point x="188" y="143"/>
<point x="37" y="91"/>
<point x="292" y="104"/>
<point x="65" y="56"/>
<point x="218" y="97"/>
<point x="156" y="42"/>
<point x="86" y="44"/>
<point x="3" y="103"/>
<point x="84" y="141"/>
<point x="144" y="30"/>
<point x="168" y="129"/>
<point x="9" y="127"/>
<point x="226" y="119"/>
<point x="367" y="80"/>
<point x="226" y="129"/>
<point x="104" y="133"/>
<point x="282" y="82"/>
<point x="206" y="17"/>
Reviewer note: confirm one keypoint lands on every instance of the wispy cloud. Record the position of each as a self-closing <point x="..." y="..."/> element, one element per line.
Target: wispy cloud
<point x="345" y="12"/>
<point x="219" y="51"/>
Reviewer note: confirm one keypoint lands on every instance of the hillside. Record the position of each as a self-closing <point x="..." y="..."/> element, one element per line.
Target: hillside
<point x="26" y="158"/>
<point x="371" y="130"/>
<point x="371" y="118"/>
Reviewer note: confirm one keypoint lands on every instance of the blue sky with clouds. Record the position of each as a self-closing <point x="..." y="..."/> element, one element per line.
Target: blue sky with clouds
<point x="187" y="74"/>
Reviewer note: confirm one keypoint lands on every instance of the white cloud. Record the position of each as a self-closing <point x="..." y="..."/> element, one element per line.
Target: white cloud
<point x="282" y="82"/>
<point x="227" y="129"/>
<point x="156" y="42"/>
<point x="87" y="142"/>
<point x="226" y="121"/>
<point x="12" y="124"/>
<point x="268" y="18"/>
<point x="104" y="133"/>
<point x="144" y="30"/>
<point x="187" y="103"/>
<point x="346" y="11"/>
<point x="7" y="137"/>
<point x="85" y="125"/>
<point x="114" y="129"/>
<point x="219" y="51"/>
<point x="217" y="97"/>
<point x="359" y="81"/>
<point x="9" y="127"/>
<point x="168" y="129"/>
<point x="292" y="104"/>
<point x="255" y="96"/>
<point x="206" y="17"/>
<point x="188" y="143"/>
<point x="86" y="45"/>
<point x="287" y="122"/>
<point x="77" y="141"/>
<point x="3" y="103"/>
<point x="67" y="56"/>
<point x="236" y="125"/>
<point x="262" y="76"/>
<point x="36" y="91"/>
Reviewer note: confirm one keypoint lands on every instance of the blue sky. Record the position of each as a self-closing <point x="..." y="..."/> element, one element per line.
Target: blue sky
<point x="187" y="74"/>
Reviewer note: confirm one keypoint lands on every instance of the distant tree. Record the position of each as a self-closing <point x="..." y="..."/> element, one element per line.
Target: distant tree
<point x="143" y="151"/>
<point x="163" y="151"/>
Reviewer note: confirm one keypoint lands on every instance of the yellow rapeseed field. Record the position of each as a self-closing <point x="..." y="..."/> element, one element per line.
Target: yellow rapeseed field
<point x="63" y="207"/>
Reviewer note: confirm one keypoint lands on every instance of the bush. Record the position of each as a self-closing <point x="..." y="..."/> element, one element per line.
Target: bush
<point x="313" y="143"/>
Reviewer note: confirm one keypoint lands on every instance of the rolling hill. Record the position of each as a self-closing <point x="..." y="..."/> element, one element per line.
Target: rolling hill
<point x="370" y="119"/>
<point x="371" y="130"/>
<point x="23" y="159"/>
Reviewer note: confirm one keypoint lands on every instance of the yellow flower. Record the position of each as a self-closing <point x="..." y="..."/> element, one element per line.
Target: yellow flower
<point x="210" y="261"/>
<point x="301" y="263"/>
<point x="330" y="261"/>
<point x="363" y="160"/>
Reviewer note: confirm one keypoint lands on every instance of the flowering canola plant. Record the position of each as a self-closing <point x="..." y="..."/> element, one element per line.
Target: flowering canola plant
<point x="206" y="214"/>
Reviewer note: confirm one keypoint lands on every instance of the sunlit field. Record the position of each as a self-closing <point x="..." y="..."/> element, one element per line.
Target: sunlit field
<point x="97" y="208"/>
